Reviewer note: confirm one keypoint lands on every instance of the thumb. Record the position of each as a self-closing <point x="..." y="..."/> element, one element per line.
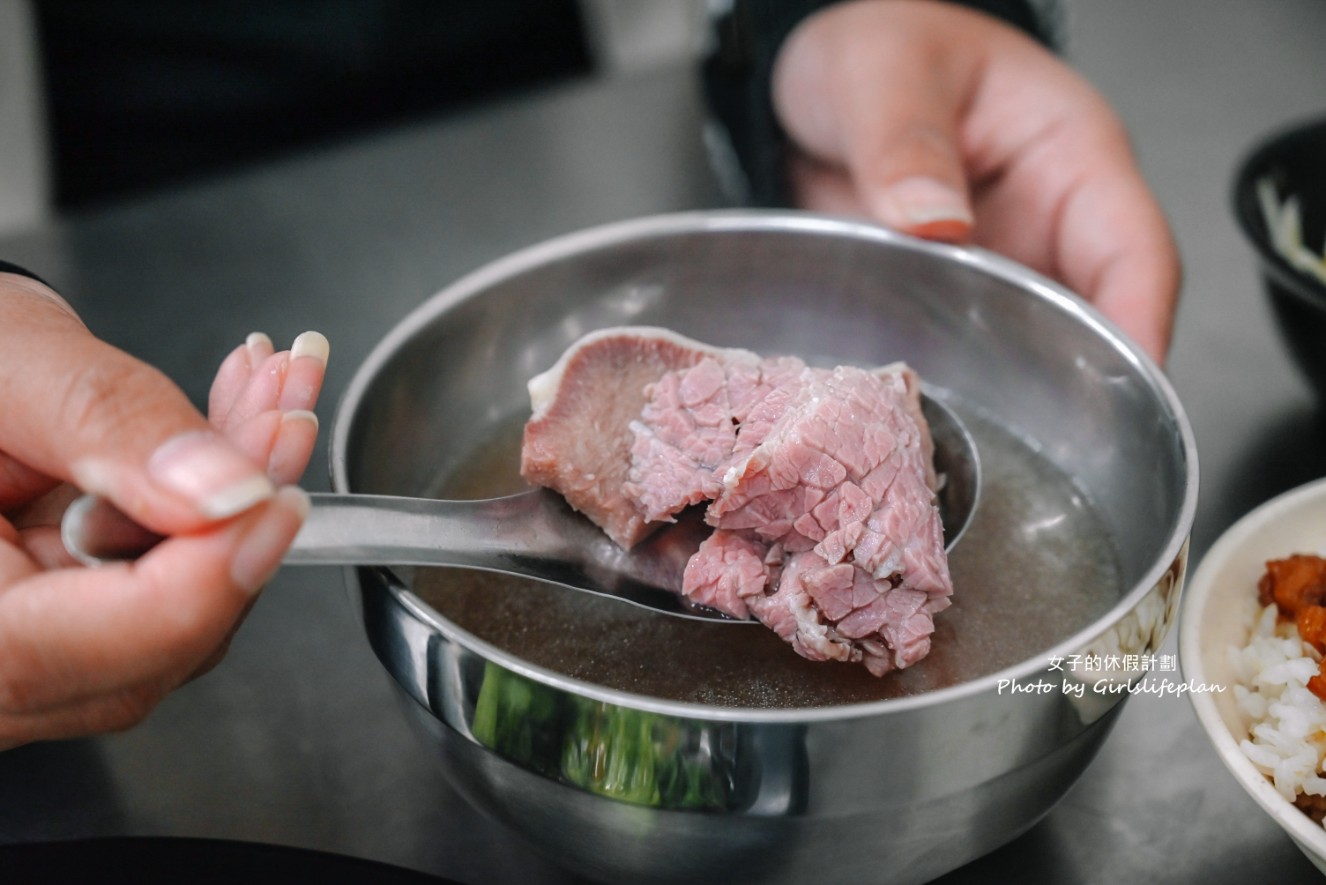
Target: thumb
<point x="884" y="101"/>
<point x="80" y="410"/>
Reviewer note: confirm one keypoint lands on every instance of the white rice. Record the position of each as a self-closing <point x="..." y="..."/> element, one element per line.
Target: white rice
<point x="1287" y="734"/>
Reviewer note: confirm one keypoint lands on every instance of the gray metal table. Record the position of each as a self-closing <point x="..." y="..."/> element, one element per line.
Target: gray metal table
<point x="297" y="738"/>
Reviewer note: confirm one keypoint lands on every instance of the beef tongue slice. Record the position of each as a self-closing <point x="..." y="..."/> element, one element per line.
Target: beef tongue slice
<point x="578" y="439"/>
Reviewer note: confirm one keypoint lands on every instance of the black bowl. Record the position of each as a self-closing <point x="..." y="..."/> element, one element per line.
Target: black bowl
<point x="1293" y="160"/>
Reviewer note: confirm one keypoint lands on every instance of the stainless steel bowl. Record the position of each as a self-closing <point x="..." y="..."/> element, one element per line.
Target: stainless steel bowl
<point x="813" y="774"/>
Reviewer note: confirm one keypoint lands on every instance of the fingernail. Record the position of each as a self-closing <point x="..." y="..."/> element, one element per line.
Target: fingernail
<point x="205" y="469"/>
<point x="264" y="544"/>
<point x="312" y="344"/>
<point x="294" y="442"/>
<point x="259" y="346"/>
<point x="300" y="415"/>
<point x="921" y="205"/>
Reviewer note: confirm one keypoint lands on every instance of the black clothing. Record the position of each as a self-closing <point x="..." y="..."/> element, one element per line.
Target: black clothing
<point x="6" y="267"/>
<point x="143" y="93"/>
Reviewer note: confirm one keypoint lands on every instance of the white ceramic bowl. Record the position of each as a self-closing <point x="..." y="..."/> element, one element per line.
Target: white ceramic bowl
<point x="1219" y="608"/>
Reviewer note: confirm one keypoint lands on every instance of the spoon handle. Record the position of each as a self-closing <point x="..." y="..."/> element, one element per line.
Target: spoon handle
<point x="534" y="534"/>
<point x="373" y="530"/>
<point x="499" y="533"/>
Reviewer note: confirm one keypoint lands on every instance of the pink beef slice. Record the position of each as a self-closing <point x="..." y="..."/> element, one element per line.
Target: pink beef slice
<point x="696" y="423"/>
<point x="841" y="487"/>
<point x="819" y="482"/>
<point x="578" y="439"/>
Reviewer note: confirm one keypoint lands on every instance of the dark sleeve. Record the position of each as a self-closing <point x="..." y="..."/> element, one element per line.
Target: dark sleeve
<point x="6" y="267"/>
<point x="746" y="140"/>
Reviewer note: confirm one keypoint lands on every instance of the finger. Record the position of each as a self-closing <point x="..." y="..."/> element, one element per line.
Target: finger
<point x="293" y="448"/>
<point x="290" y="380"/>
<point x="260" y="391"/>
<point x="234" y="374"/>
<point x="1086" y="215"/>
<point x="15" y="563"/>
<point x="1121" y="255"/>
<point x="115" y="711"/>
<point x="888" y="109"/>
<point x="112" y="712"/>
<point x="902" y="155"/>
<point x="19" y="483"/>
<point x="80" y="633"/>
<point x="268" y="406"/>
<point x="38" y="530"/>
<point x="308" y="367"/>
<point x="78" y="409"/>
<point x="46" y="510"/>
<point x="283" y="441"/>
<point x="256" y="437"/>
<point x="45" y="546"/>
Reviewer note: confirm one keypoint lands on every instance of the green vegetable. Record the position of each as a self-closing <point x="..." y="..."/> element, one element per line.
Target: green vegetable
<point x="613" y="751"/>
<point x="517" y="717"/>
<point x="609" y="750"/>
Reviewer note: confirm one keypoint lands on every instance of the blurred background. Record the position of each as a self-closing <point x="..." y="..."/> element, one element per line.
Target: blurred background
<point x="69" y="139"/>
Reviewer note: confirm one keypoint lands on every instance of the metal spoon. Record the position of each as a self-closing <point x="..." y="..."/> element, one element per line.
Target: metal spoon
<point x="534" y="534"/>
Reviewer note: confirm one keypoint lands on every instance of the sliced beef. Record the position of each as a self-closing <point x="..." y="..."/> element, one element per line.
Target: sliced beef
<point x="819" y="483"/>
<point x="686" y="438"/>
<point x="578" y="439"/>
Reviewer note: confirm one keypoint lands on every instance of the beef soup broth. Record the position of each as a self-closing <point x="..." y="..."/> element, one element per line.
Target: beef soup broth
<point x="1034" y="566"/>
